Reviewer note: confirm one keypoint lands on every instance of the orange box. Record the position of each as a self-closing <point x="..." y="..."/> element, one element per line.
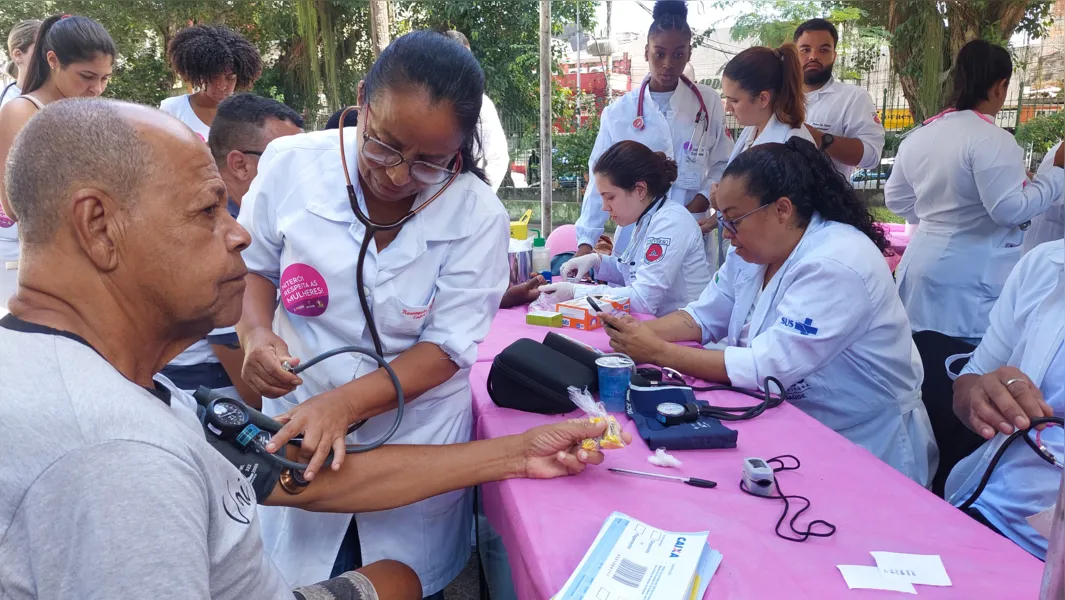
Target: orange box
<point x="579" y="314"/>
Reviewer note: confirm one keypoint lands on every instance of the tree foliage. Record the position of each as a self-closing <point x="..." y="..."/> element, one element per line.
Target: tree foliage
<point x="924" y="36"/>
<point x="1042" y="131"/>
<point x="316" y="51"/>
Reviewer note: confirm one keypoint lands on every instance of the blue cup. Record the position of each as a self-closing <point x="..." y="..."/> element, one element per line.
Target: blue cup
<point x="614" y="375"/>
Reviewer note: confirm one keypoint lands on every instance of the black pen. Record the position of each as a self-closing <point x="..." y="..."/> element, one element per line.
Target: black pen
<point x="596" y="308"/>
<point x="692" y="481"/>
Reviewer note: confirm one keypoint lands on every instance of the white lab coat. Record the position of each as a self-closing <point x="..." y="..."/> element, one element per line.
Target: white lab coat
<point x="829" y="325"/>
<point x="1027" y="330"/>
<point x="846" y="110"/>
<point x="440" y="281"/>
<point x="964" y="178"/>
<point x="664" y="269"/>
<point x="774" y="132"/>
<point x="666" y="133"/>
<point x="495" y="159"/>
<point x="1049" y="226"/>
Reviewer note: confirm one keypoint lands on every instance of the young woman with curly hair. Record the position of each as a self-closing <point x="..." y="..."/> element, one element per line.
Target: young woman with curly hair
<point x="215" y="61"/>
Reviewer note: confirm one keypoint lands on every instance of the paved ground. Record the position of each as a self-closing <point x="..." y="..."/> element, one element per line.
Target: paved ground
<point x="466" y="585"/>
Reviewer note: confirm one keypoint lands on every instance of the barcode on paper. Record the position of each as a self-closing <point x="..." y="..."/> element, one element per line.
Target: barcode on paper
<point x="629" y="573"/>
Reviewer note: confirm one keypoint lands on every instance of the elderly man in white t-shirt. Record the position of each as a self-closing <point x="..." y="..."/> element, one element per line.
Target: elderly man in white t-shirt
<point x="112" y="487"/>
<point x="840" y="116"/>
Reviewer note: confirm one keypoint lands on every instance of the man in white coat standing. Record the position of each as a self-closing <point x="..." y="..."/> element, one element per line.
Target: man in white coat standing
<point x="493" y="149"/>
<point x="840" y="116"/>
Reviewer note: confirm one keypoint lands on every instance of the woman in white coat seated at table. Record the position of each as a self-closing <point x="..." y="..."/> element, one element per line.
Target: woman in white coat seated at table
<point x="762" y="88"/>
<point x="1016" y="374"/>
<point x="964" y="177"/>
<point x="664" y="266"/>
<point x="807" y="298"/>
<point x="433" y="286"/>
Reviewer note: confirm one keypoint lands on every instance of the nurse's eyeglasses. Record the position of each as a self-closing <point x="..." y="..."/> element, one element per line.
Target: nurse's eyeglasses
<point x="381" y="153"/>
<point x="730" y="224"/>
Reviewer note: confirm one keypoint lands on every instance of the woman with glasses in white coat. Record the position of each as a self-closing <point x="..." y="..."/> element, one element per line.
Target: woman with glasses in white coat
<point x="806" y="298"/>
<point x="964" y="178"/>
<point x="668" y="113"/>
<point x="432" y="286"/>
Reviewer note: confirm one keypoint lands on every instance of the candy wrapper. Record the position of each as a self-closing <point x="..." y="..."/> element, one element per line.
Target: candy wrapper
<point x="611" y="438"/>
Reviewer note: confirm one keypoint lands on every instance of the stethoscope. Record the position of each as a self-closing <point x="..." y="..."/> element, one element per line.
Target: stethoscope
<point x="691" y="148"/>
<point x="373" y="227"/>
<point x="629" y="255"/>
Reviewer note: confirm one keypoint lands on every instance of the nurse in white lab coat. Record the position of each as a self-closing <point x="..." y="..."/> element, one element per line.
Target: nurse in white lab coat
<point x="841" y="116"/>
<point x="668" y="113"/>
<point x="806" y="298"/>
<point x="664" y="267"/>
<point x="434" y="286"/>
<point x="762" y="88"/>
<point x="1017" y="373"/>
<point x="963" y="176"/>
<point x="1050" y="225"/>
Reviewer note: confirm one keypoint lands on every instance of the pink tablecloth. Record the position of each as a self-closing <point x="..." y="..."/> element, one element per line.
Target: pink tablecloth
<point x="899" y="239"/>
<point x="509" y="325"/>
<point x="548" y="525"/>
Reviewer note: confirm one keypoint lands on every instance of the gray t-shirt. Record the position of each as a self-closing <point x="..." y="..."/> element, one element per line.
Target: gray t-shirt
<point x="107" y="492"/>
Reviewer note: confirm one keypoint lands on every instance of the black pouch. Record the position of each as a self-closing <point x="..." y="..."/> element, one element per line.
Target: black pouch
<point x="579" y="351"/>
<point x="531" y="377"/>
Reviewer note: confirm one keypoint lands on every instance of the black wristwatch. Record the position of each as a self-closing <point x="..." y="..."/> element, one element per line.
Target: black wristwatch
<point x="671" y="413"/>
<point x="827" y="139"/>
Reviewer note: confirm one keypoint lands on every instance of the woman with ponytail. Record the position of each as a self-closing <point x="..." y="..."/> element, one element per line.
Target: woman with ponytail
<point x="664" y="267"/>
<point x="668" y="113"/>
<point x="762" y="88"/>
<point x="964" y="179"/>
<point x="433" y="286"/>
<point x="72" y="58"/>
<point x="20" y="43"/>
<point x="806" y="298"/>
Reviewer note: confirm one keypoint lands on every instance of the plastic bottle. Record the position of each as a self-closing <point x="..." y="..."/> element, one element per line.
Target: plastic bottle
<point x="541" y="255"/>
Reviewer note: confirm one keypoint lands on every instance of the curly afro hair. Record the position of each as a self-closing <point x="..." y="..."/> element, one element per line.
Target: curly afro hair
<point x="202" y="52"/>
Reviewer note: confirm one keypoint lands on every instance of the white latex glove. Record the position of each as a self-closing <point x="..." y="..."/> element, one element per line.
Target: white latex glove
<point x="579" y="266"/>
<point x="558" y="292"/>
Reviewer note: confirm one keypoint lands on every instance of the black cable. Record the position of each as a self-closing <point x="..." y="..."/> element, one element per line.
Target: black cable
<point x="729" y="413"/>
<point x="1036" y="422"/>
<point x="801" y="535"/>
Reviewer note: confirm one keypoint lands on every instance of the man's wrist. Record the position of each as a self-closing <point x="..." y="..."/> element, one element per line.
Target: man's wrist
<point x="515" y="463"/>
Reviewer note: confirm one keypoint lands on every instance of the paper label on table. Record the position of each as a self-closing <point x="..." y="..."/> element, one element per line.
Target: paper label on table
<point x="870" y="578"/>
<point x="922" y="569"/>
<point x="631" y="560"/>
<point x="1043" y="522"/>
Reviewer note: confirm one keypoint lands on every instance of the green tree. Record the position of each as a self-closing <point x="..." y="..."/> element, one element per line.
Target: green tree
<point x="1042" y="131"/>
<point x="924" y="35"/>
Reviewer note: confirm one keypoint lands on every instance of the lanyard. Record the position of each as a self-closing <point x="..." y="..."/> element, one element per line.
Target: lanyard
<point x="636" y="242"/>
<point x="703" y="116"/>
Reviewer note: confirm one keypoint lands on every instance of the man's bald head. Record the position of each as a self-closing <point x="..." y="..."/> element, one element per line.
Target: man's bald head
<point x="75" y="144"/>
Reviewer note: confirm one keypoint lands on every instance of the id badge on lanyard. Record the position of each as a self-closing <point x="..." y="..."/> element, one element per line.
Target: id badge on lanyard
<point x="690" y="168"/>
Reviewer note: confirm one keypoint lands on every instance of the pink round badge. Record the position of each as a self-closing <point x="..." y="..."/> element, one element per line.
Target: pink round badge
<point x="303" y="290"/>
<point x="5" y="221"/>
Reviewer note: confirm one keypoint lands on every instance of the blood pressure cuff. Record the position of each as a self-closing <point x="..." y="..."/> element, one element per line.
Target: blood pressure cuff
<point x="704" y="434"/>
<point x="531" y="377"/>
<point x="261" y="472"/>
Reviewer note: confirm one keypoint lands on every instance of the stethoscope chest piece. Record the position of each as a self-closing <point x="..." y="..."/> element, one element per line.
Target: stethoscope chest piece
<point x="637" y="123"/>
